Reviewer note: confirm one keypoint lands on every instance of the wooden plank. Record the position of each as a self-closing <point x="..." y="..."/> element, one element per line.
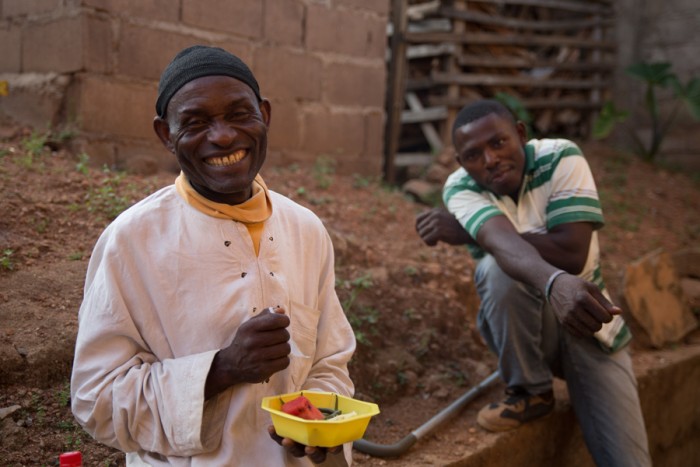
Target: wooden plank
<point x="530" y="104"/>
<point x="521" y="40"/>
<point x="425" y="115"/>
<point x="581" y="7"/>
<point x="517" y="62"/>
<point x="398" y="70"/>
<point x="531" y="25"/>
<point x="429" y="50"/>
<point x="503" y="80"/>
<point x="426" y="127"/>
<point x="419" y="84"/>
<point x="418" y="158"/>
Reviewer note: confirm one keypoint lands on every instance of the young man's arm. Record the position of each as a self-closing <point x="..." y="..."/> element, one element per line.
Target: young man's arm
<point x="564" y="246"/>
<point x="579" y="305"/>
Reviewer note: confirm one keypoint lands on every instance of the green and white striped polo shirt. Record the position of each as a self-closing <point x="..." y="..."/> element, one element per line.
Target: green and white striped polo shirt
<point x="558" y="187"/>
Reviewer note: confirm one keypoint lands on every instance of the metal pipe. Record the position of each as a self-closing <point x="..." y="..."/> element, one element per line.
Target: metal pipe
<point x="396" y="449"/>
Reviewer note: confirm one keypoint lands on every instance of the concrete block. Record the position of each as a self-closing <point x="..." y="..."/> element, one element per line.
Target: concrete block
<point x="15" y="8"/>
<point x="145" y="158"/>
<point x="287" y="75"/>
<point x="333" y="133"/>
<point x="355" y="85"/>
<point x="284" y="22"/>
<point x="654" y="297"/>
<point x="374" y="134"/>
<point x="11" y="57"/>
<point x="154" y="10"/>
<point x="113" y="107"/>
<point x="377" y="6"/>
<point x="240" y="18"/>
<point x="285" y="126"/>
<point x="97" y="44"/>
<point x="242" y="49"/>
<point x="347" y="32"/>
<point x="34" y="99"/>
<point x="145" y="52"/>
<point x="56" y="46"/>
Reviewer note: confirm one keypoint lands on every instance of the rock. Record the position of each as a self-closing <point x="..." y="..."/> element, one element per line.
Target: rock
<point x="5" y="411"/>
<point x="423" y="191"/>
<point x="652" y="291"/>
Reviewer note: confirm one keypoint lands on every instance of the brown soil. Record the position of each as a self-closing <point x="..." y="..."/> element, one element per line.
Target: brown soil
<point x="412" y="306"/>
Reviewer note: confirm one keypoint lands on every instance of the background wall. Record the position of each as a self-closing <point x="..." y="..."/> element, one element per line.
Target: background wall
<point x="94" y="65"/>
<point x="660" y="31"/>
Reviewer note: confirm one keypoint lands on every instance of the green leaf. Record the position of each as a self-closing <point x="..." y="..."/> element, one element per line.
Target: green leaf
<point x="658" y="74"/>
<point x="608" y="118"/>
<point x="691" y="97"/>
<point x="515" y="105"/>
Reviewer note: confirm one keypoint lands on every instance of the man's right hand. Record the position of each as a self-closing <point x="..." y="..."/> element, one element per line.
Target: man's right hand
<point x="259" y="349"/>
<point x="439" y="225"/>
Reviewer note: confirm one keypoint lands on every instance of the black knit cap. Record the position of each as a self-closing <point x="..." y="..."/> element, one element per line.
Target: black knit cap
<point x="197" y="61"/>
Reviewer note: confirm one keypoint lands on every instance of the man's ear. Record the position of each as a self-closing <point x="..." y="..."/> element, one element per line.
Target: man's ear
<point x="266" y="110"/>
<point x="522" y="131"/>
<point x="162" y="129"/>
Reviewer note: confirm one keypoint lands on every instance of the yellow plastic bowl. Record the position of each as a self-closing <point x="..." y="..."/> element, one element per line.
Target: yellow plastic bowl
<point x="322" y="433"/>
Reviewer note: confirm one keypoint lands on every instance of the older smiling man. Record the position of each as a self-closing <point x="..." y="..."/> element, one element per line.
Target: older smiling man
<point x="210" y="294"/>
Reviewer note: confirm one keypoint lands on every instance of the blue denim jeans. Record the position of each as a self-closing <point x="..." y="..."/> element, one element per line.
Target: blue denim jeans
<point x="521" y="328"/>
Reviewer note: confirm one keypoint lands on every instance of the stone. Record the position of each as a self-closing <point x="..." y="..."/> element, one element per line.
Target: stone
<point x="653" y="293"/>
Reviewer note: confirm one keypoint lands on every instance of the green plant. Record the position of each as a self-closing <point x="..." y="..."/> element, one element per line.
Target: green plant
<point x="655" y="76"/>
<point x="323" y="169"/>
<point x="63" y="395"/>
<point x="34" y="144"/>
<point x="6" y="260"/>
<point x="106" y="198"/>
<point x="355" y="286"/>
<point x="361" y="182"/>
<point x="76" y="256"/>
<point x="82" y="164"/>
<point x="517" y="107"/>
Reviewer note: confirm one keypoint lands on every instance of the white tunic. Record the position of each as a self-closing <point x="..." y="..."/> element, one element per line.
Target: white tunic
<point x="167" y="287"/>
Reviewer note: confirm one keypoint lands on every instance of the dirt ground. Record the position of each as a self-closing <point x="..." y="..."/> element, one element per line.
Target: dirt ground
<point x="412" y="306"/>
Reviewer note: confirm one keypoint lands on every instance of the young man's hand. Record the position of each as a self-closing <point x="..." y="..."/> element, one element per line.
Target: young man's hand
<point x="437" y="225"/>
<point x="580" y="306"/>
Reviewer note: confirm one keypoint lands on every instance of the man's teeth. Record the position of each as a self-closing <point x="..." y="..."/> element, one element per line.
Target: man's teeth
<point x="227" y="160"/>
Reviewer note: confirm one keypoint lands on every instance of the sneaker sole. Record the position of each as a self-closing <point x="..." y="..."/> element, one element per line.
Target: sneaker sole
<point x="498" y="428"/>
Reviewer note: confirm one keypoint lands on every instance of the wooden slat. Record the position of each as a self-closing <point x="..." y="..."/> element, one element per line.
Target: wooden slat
<point x="413" y="158"/>
<point x="426" y="127"/>
<point x="581" y="7"/>
<point x="531" y="25"/>
<point x="429" y="50"/>
<point x="503" y="80"/>
<point x="517" y="62"/>
<point x="522" y="40"/>
<point x="425" y="115"/>
<point x="398" y="70"/>
<point x="530" y="104"/>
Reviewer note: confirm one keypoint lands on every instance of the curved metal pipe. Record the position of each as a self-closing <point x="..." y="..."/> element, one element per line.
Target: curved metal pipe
<point x="396" y="449"/>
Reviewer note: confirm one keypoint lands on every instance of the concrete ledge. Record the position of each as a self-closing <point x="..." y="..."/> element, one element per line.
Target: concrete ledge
<point x="668" y="387"/>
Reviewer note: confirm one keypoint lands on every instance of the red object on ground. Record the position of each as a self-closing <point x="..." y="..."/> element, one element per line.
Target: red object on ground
<point x="70" y="459"/>
<point x="303" y="408"/>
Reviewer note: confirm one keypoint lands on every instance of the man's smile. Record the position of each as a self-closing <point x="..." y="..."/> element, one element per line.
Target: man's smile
<point x="224" y="161"/>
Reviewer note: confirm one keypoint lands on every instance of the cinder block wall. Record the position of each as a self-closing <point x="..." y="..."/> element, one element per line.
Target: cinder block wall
<point x="94" y="64"/>
<point x="660" y="32"/>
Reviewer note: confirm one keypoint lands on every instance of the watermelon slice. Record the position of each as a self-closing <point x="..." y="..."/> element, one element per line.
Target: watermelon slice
<point x="303" y="408"/>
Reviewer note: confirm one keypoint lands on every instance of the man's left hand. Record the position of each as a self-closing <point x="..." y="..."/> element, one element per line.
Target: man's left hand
<point x="580" y="306"/>
<point x="316" y="454"/>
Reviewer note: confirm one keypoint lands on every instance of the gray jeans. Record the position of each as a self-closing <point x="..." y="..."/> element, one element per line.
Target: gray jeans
<point x="532" y="347"/>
